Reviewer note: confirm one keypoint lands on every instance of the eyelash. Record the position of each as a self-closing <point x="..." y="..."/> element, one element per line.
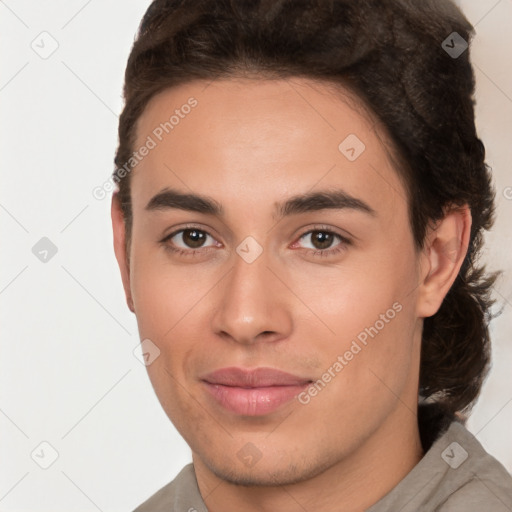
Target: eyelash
<point x="344" y="242"/>
<point x="179" y="251"/>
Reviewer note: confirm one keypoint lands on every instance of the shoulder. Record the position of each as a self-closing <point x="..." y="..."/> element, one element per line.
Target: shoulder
<point x="477" y="495"/>
<point x="486" y="484"/>
<point x="182" y="494"/>
<point x="456" y="474"/>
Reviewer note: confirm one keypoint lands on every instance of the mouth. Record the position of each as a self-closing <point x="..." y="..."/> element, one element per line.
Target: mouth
<point x="253" y="392"/>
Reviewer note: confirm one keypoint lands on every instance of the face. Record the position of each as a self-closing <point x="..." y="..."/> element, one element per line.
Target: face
<point x="284" y="301"/>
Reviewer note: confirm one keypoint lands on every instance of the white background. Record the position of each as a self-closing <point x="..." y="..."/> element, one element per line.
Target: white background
<point x="68" y="373"/>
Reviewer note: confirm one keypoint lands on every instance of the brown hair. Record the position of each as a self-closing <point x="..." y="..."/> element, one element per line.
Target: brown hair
<point x="390" y="52"/>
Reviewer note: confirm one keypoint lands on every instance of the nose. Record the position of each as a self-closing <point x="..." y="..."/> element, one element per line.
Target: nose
<point x="253" y="305"/>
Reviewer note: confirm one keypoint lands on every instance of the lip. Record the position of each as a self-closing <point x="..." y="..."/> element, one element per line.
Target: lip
<point x="253" y="392"/>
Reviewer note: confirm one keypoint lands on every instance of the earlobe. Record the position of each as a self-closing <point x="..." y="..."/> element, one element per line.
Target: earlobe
<point x="444" y="252"/>
<point x="119" y="235"/>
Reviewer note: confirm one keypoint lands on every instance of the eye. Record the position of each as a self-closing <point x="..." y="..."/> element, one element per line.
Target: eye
<point x="320" y="239"/>
<point x="185" y="241"/>
<point x="323" y="241"/>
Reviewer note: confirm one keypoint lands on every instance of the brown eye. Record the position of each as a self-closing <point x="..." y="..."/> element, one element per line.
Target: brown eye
<point x="193" y="238"/>
<point x="322" y="242"/>
<point x="322" y="239"/>
<point x="188" y="238"/>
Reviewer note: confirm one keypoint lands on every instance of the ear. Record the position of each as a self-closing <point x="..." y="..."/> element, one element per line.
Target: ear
<point x="446" y="245"/>
<point x="118" y="228"/>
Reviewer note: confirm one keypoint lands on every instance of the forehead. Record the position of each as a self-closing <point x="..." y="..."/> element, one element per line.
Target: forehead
<point x="262" y="135"/>
<point x="273" y="104"/>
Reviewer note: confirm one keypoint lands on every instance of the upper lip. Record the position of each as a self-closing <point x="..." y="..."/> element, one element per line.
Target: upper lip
<point x="255" y="378"/>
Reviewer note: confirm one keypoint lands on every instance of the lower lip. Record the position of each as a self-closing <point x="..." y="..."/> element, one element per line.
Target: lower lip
<point x="253" y="401"/>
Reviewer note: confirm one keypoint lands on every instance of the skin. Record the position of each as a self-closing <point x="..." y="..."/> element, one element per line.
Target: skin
<point x="249" y="144"/>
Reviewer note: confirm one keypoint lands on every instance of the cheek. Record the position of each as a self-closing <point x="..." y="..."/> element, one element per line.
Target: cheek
<point x="174" y="394"/>
<point x="367" y="317"/>
<point x="169" y="305"/>
<point x="374" y="372"/>
<point x="162" y="293"/>
<point x="348" y="298"/>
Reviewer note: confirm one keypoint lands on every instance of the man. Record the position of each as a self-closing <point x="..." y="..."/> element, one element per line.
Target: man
<point x="302" y="196"/>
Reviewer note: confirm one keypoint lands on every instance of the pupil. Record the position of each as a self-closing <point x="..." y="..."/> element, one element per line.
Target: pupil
<point x="195" y="237"/>
<point x="322" y="238"/>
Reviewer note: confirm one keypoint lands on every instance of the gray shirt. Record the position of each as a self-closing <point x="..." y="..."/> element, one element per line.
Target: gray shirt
<point x="456" y="474"/>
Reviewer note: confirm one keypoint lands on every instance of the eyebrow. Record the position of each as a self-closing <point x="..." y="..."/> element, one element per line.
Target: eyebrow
<point x="302" y="203"/>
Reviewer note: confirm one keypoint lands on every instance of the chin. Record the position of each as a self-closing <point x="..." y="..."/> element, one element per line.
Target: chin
<point x="266" y="473"/>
